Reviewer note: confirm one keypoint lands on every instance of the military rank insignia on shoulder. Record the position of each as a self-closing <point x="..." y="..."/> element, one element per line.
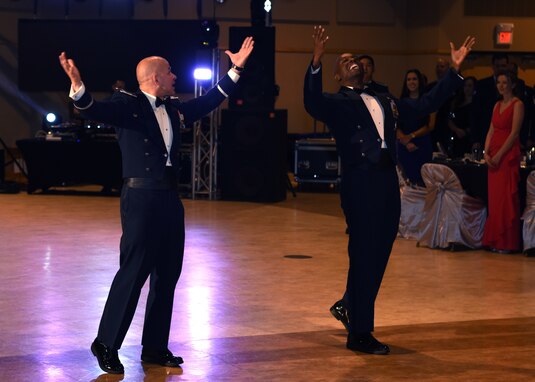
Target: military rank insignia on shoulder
<point x="394" y="108"/>
<point x="128" y="93"/>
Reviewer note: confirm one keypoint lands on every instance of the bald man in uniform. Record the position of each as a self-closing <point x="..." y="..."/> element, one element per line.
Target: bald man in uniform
<point x="148" y="126"/>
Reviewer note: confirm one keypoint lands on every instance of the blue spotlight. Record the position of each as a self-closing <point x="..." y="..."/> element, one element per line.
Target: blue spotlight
<point x="202" y="74"/>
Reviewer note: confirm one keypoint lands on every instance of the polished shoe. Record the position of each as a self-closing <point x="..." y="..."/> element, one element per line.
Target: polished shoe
<point x="366" y="343"/>
<point x="162" y="358"/>
<point x="108" y="358"/>
<point x="339" y="311"/>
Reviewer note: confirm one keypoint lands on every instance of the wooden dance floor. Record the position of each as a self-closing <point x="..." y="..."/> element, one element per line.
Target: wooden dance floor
<point x="253" y="300"/>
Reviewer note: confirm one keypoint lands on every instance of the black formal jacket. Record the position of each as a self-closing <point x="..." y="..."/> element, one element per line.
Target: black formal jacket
<point x="143" y="150"/>
<point x="346" y="115"/>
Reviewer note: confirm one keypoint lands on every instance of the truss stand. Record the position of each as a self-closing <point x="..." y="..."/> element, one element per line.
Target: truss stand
<point x="13" y="158"/>
<point x="204" y="153"/>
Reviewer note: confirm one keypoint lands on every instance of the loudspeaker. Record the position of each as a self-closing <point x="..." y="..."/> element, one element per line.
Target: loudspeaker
<point x="253" y="155"/>
<point x="256" y="88"/>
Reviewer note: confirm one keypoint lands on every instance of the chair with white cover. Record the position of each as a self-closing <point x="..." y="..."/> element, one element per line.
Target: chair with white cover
<point x="451" y="218"/>
<point x="528" y="228"/>
<point x="412" y="206"/>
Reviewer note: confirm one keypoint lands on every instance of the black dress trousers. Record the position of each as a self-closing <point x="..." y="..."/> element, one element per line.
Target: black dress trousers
<point x="371" y="203"/>
<point x="152" y="245"/>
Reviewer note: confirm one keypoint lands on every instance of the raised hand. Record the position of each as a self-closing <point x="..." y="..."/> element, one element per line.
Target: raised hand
<point x="458" y="55"/>
<point x="320" y="39"/>
<point x="71" y="70"/>
<point x="240" y="58"/>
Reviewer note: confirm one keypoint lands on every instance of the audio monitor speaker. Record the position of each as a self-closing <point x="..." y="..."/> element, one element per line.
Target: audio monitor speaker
<point x="253" y="155"/>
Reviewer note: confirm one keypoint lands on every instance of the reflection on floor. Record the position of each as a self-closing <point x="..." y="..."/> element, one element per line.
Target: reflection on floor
<point x="244" y="311"/>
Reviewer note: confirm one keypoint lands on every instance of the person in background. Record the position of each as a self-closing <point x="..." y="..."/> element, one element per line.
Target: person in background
<point x="502" y="154"/>
<point x="526" y="95"/>
<point x="368" y="64"/>
<point x="414" y="139"/>
<point x="440" y="133"/>
<point x="148" y="126"/>
<point x="461" y="119"/>
<point x="441" y="68"/>
<point x="118" y="85"/>
<point x="485" y="98"/>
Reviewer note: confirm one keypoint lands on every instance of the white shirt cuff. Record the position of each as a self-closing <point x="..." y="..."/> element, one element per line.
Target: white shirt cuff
<point x="76" y="95"/>
<point x="233" y="75"/>
<point x="314" y="71"/>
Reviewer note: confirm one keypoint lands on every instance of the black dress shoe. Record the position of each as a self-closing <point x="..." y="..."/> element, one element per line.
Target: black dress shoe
<point x="108" y="358"/>
<point x="339" y="311"/>
<point x="162" y="358"/>
<point x="366" y="343"/>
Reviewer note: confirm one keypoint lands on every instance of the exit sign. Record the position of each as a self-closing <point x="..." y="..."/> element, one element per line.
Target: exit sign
<point x="504" y="34"/>
<point x="505" y="38"/>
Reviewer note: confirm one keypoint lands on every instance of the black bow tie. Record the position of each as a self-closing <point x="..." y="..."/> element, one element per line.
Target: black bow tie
<point x="365" y="91"/>
<point x="159" y="102"/>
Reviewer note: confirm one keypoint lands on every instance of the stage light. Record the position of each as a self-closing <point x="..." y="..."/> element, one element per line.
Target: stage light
<point x="261" y="13"/>
<point x="51" y="118"/>
<point x="202" y="74"/>
<point x="209" y="34"/>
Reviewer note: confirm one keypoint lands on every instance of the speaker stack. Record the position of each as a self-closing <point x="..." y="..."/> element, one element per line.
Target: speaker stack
<point x="257" y="82"/>
<point x="253" y="155"/>
<point x="253" y="133"/>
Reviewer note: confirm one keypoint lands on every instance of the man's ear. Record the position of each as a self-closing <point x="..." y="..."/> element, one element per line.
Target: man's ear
<point x="154" y="78"/>
<point x="337" y="77"/>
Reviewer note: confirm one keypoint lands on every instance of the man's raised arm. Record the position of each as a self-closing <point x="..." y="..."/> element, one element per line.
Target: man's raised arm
<point x="320" y="39"/>
<point x="71" y="70"/>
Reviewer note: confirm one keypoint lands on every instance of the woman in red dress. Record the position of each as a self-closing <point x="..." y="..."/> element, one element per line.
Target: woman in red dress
<point x="502" y="155"/>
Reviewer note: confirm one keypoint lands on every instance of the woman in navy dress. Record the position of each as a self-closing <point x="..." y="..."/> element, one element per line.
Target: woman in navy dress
<point x="414" y="141"/>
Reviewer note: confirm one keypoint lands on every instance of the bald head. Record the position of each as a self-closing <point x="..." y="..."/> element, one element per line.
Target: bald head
<point x="155" y="77"/>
